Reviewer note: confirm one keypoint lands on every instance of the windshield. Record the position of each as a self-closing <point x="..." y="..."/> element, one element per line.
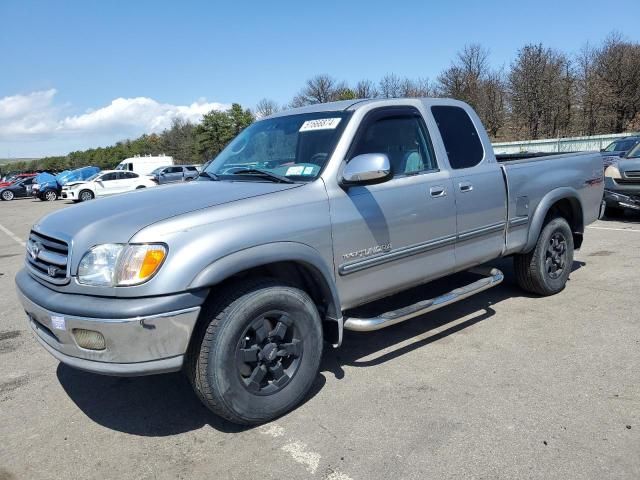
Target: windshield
<point x="157" y="171"/>
<point x="296" y="147"/>
<point x="621" y="146"/>
<point x="635" y="153"/>
<point x="93" y="177"/>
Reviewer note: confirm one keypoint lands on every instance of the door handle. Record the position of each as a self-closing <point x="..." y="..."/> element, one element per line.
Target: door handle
<point x="465" y="187"/>
<point x="438" y="191"/>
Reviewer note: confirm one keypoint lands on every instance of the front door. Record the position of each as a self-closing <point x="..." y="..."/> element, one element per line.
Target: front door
<point x="479" y="188"/>
<point x="400" y="232"/>
<point x="106" y="184"/>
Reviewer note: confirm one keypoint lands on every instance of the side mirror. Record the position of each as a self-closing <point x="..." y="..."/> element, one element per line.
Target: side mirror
<point x="367" y="168"/>
<point x="602" y="149"/>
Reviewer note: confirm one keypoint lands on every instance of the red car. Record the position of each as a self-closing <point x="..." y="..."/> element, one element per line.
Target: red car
<point x="15" y="178"/>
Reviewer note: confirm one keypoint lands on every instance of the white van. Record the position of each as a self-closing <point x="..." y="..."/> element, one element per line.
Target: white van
<point x="145" y="165"/>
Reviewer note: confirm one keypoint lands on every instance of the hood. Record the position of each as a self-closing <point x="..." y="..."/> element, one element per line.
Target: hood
<point x="628" y="164"/>
<point x="73" y="184"/>
<point x="116" y="219"/>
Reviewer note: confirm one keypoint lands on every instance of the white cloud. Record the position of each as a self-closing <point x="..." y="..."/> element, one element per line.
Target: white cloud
<point x="36" y="119"/>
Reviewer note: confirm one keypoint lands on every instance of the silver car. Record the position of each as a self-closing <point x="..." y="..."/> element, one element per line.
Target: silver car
<point x="174" y="173"/>
<point x="286" y="239"/>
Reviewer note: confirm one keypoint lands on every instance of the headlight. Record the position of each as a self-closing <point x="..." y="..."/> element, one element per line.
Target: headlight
<point x="115" y="264"/>
<point x="612" y="171"/>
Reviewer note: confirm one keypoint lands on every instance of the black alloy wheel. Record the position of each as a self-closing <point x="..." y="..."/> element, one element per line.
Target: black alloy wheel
<point x="556" y="255"/>
<point x="269" y="353"/>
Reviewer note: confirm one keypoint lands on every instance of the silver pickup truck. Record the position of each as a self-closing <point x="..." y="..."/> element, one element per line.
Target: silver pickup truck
<point x="303" y="219"/>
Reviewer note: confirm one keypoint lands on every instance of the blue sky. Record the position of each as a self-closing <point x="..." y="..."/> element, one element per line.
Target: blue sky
<point x="77" y="74"/>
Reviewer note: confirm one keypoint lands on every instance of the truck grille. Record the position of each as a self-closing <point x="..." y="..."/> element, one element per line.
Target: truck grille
<point x="47" y="258"/>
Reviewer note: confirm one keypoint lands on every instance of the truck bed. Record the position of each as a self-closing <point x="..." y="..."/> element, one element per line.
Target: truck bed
<point x="530" y="179"/>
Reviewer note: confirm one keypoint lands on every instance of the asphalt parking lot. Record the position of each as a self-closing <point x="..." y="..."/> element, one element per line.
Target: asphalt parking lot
<point x="502" y="385"/>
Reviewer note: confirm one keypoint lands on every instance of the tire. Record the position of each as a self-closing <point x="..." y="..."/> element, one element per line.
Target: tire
<point x="613" y="212"/>
<point x="85" y="196"/>
<point x="50" y="196"/>
<point x="546" y="269"/>
<point x="603" y="209"/>
<point x="243" y="336"/>
<point x="7" y="195"/>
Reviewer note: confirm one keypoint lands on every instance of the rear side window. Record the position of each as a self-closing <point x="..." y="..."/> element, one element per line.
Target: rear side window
<point x="459" y="135"/>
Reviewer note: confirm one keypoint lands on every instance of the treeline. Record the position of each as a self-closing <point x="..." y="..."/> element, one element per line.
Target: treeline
<point x="543" y="93"/>
<point x="185" y="142"/>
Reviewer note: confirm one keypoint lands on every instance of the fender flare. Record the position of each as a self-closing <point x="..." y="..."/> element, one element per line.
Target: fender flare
<point x="537" y="221"/>
<point x="260" y="255"/>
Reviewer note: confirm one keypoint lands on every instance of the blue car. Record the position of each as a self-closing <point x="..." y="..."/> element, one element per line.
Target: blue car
<point x="48" y="187"/>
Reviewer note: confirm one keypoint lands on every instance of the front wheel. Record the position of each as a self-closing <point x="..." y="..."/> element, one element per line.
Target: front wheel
<point x="7" y="195"/>
<point x="86" y="195"/>
<point x="257" y="352"/>
<point x="546" y="269"/>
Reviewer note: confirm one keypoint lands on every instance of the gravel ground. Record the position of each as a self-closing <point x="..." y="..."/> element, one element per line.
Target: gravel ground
<point x="502" y="385"/>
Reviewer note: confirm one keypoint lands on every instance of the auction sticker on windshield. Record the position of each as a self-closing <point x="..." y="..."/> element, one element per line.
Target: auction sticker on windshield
<point x="320" y="124"/>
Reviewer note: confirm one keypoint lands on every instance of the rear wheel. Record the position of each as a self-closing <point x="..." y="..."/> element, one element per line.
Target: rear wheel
<point x="7" y="195"/>
<point x="257" y="352"/>
<point x="50" y="196"/>
<point x="546" y="269"/>
<point x="86" y="195"/>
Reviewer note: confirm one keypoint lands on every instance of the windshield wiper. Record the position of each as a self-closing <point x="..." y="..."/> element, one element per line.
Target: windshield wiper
<point x="263" y="174"/>
<point x="211" y="176"/>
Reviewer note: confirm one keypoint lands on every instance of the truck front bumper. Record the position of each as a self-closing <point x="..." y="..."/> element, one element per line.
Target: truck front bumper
<point x="132" y="346"/>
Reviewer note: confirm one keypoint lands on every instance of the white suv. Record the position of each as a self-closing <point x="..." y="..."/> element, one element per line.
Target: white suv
<point x="104" y="183"/>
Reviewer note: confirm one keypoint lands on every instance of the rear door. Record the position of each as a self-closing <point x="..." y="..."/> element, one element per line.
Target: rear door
<point x="400" y="232"/>
<point x="480" y="193"/>
<point x="128" y="182"/>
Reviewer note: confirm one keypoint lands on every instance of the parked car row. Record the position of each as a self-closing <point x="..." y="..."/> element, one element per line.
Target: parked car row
<point x="107" y="182"/>
<point x="622" y="182"/>
<point x="87" y="183"/>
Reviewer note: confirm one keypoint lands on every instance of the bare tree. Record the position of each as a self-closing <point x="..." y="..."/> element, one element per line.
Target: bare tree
<point x="493" y="102"/>
<point x="416" y="88"/>
<point x="266" y="107"/>
<point x="319" y="89"/>
<point x="390" y="86"/>
<point x="617" y="67"/>
<point x="365" y="89"/>
<point x="541" y="86"/>
<point x="463" y="79"/>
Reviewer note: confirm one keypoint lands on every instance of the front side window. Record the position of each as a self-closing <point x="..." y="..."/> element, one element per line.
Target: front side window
<point x="107" y="177"/>
<point x="401" y="136"/>
<point x="459" y="136"/>
<point x="295" y="146"/>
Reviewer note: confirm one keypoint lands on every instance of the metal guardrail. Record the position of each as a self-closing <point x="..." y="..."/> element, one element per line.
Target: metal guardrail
<point x="558" y="145"/>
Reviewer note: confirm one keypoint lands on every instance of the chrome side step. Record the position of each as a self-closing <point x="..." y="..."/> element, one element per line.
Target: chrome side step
<point x="492" y="277"/>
